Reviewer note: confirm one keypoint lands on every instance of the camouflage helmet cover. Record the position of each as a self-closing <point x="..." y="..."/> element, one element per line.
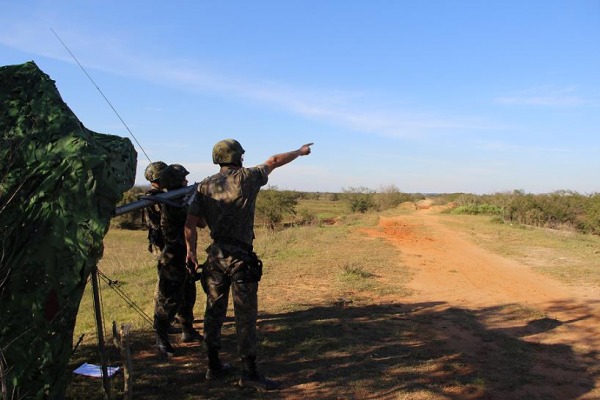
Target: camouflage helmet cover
<point x="228" y="151"/>
<point x="172" y="176"/>
<point x="152" y="172"/>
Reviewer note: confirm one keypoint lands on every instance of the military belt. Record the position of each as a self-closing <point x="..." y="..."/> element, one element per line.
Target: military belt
<point x="234" y="242"/>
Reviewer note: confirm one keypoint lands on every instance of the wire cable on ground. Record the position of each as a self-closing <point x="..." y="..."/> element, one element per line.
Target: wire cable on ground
<point x="113" y="285"/>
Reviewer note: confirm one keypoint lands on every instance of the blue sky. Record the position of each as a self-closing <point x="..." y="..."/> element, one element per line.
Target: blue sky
<point x="427" y="96"/>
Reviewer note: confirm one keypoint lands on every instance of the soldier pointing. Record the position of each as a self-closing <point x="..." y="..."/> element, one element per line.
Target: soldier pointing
<point x="225" y="203"/>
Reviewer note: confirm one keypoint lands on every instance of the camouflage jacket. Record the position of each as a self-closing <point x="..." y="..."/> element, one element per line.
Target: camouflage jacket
<point x="151" y="216"/>
<point x="172" y="222"/>
<point x="227" y="201"/>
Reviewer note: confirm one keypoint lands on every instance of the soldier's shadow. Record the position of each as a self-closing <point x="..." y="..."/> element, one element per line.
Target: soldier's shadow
<point x="387" y="349"/>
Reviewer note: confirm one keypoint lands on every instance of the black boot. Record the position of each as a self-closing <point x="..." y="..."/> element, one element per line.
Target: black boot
<point x="162" y="339"/>
<point x="216" y="369"/>
<point x="251" y="378"/>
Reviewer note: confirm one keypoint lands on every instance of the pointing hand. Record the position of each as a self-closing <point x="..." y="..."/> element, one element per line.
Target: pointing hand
<point x="305" y="149"/>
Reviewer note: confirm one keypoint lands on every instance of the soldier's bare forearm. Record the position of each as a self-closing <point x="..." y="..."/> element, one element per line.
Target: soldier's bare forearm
<point x="279" y="160"/>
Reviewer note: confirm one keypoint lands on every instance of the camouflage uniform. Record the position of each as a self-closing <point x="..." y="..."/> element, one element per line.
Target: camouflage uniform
<point x="227" y="202"/>
<point x="176" y="290"/>
<point x="151" y="216"/>
<point x="175" y="293"/>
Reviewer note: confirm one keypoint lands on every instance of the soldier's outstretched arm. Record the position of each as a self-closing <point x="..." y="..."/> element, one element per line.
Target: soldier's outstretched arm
<point x="279" y="160"/>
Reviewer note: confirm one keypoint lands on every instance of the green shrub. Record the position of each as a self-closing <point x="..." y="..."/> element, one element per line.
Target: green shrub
<point x="272" y="205"/>
<point x="554" y="210"/>
<point x="589" y="221"/>
<point x="308" y="217"/>
<point x="477" y="209"/>
<point x="391" y="197"/>
<point x="359" y="199"/>
<point x="551" y="210"/>
<point x="132" y="220"/>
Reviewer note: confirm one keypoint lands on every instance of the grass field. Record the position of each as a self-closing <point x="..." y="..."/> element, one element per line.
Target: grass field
<point x="325" y="314"/>
<point x="323" y="209"/>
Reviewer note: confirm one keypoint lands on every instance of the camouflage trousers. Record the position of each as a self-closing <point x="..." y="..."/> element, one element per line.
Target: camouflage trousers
<point x="175" y="293"/>
<point x="220" y="265"/>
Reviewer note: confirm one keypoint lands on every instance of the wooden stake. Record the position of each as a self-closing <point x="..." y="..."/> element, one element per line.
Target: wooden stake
<point x="121" y="341"/>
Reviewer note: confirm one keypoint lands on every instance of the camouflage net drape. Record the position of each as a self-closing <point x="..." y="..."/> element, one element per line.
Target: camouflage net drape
<point x="59" y="184"/>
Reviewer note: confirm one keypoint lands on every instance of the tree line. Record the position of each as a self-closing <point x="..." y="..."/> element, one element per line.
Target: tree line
<point x="274" y="207"/>
<point x="562" y="209"/>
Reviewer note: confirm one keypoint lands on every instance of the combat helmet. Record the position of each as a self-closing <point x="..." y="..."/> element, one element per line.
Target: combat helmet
<point x="152" y="172"/>
<point x="172" y="176"/>
<point x="228" y="151"/>
<point x="180" y="169"/>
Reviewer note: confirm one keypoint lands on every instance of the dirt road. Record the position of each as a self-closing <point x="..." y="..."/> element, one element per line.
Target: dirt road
<point x="506" y="298"/>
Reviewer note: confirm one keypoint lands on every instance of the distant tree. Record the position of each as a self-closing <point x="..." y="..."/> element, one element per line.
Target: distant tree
<point x="360" y="199"/>
<point x="390" y="196"/>
<point x="132" y="220"/>
<point x="272" y="205"/>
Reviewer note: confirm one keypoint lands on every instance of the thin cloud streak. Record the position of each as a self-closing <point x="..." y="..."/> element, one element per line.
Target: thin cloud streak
<point x="342" y="108"/>
<point x="337" y="107"/>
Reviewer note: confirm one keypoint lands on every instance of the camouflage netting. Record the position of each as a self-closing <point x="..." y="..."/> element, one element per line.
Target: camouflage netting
<point x="59" y="184"/>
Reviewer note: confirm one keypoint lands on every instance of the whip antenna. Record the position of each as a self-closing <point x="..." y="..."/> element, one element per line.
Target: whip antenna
<point x="94" y="83"/>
